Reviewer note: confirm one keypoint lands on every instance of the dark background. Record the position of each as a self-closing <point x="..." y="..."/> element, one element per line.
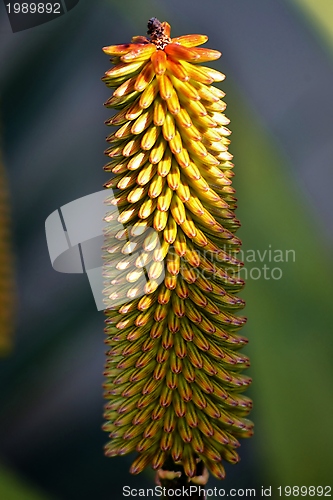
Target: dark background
<point x="277" y="56"/>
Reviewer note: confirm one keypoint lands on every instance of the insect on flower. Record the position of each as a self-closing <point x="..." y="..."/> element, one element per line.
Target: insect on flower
<point x="174" y="381"/>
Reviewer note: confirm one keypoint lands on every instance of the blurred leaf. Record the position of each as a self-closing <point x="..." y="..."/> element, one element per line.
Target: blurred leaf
<point x="319" y="14"/>
<point x="291" y="344"/>
<point x="14" y="488"/>
<point x="6" y="270"/>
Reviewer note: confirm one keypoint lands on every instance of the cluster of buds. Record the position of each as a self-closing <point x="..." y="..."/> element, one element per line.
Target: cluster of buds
<point x="174" y="381"/>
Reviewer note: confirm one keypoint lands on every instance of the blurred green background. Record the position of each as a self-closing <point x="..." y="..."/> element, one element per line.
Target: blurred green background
<point x="278" y="57"/>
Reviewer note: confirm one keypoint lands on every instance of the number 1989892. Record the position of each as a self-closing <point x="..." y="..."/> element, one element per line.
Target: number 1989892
<point x="33" y="8"/>
<point x="305" y="491"/>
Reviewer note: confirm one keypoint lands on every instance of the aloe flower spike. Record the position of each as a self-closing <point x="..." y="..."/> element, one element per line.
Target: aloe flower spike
<point x="174" y="382"/>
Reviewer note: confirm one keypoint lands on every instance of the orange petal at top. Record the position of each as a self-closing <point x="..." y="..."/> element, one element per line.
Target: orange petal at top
<point x="119" y="50"/>
<point x="167" y="28"/>
<point x="205" y="55"/>
<point x="178" y="52"/>
<point x="159" y="62"/>
<point x="140" y="52"/>
<point x="190" y="40"/>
